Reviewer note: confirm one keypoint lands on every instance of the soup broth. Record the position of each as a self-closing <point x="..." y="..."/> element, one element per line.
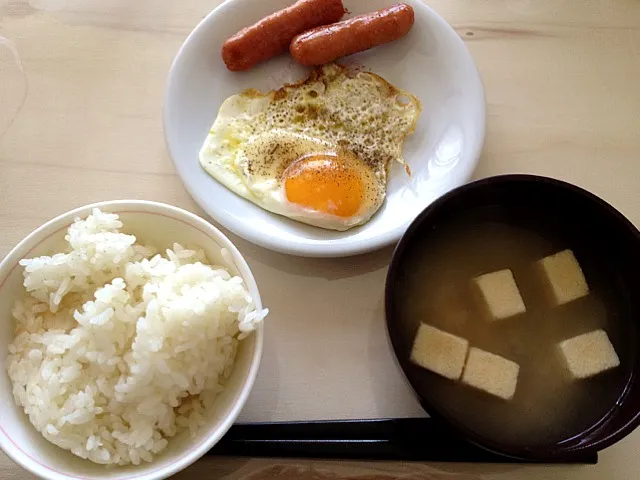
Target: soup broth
<point x="549" y="405"/>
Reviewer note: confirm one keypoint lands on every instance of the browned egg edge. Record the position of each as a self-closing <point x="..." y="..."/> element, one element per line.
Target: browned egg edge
<point x="318" y="74"/>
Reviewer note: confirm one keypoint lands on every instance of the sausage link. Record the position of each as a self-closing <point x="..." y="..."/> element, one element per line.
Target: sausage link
<point x="327" y="43"/>
<point x="273" y="34"/>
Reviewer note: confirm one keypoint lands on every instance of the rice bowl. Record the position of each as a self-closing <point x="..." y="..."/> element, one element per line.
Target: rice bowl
<point x="126" y="362"/>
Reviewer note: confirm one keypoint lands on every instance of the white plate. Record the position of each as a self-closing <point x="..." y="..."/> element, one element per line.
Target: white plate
<point x="432" y="62"/>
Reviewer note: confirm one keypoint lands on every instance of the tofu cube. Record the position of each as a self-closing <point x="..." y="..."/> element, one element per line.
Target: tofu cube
<point x="498" y="295"/>
<point x="439" y="351"/>
<point x="589" y="354"/>
<point x="491" y="373"/>
<point x="563" y="277"/>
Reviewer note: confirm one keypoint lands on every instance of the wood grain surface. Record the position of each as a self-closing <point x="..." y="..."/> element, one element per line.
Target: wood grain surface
<point x="80" y="121"/>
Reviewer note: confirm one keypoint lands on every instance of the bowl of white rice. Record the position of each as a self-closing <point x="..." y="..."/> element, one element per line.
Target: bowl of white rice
<point x="130" y="337"/>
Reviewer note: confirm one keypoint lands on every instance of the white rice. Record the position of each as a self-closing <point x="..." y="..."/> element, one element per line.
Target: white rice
<point x="117" y="348"/>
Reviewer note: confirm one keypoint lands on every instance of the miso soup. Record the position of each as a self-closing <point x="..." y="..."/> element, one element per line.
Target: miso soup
<point x="549" y="405"/>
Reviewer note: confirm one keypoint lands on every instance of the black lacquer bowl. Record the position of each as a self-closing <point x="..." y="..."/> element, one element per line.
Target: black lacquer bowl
<point x="608" y="243"/>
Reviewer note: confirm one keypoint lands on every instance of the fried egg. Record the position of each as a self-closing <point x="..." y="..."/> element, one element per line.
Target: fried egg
<point x="318" y="151"/>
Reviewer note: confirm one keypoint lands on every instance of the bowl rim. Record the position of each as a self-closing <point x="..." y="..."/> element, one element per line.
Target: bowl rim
<point x="148" y="471"/>
<point x="334" y="248"/>
<point x="521" y="453"/>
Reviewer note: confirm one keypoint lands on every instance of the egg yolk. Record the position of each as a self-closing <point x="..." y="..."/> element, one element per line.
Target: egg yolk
<point x="325" y="183"/>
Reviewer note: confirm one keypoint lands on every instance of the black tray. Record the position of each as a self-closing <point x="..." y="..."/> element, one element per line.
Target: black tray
<point x="405" y="439"/>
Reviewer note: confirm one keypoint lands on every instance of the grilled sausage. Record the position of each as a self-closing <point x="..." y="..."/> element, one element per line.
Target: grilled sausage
<point x="273" y="34"/>
<point x="327" y="43"/>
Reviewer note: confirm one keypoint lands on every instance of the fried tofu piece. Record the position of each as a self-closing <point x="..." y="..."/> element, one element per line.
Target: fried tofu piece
<point x="563" y="277"/>
<point x="491" y="373"/>
<point x="439" y="351"/>
<point x="498" y="295"/>
<point x="589" y="354"/>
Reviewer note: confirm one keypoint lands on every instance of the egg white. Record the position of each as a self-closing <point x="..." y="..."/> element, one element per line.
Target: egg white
<point x="242" y="168"/>
<point x="331" y="111"/>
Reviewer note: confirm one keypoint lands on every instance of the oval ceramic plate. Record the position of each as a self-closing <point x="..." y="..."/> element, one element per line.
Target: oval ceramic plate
<point x="431" y="62"/>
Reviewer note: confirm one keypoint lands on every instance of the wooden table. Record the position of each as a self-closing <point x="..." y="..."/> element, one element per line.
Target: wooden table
<point x="563" y="91"/>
